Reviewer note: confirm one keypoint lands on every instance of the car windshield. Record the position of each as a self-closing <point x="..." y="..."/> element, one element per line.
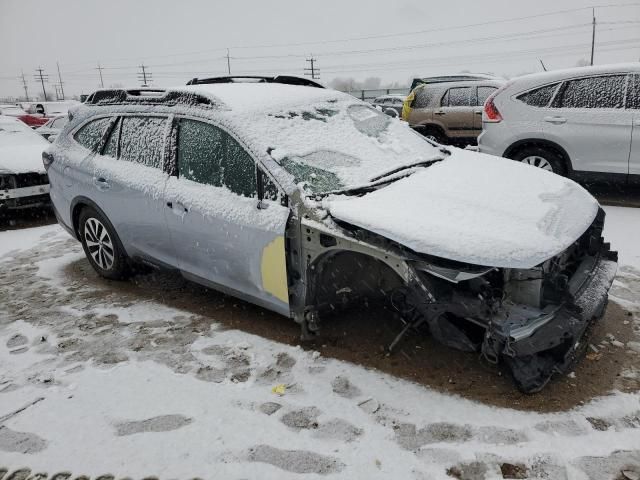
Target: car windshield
<point x="340" y="144"/>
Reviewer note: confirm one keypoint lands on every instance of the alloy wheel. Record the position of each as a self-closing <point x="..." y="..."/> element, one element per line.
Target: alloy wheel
<point x="99" y="243"/>
<point x="538" y="161"/>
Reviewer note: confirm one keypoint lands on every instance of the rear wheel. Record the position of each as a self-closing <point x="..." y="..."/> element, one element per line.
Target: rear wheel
<point x="543" y="158"/>
<point x="434" y="135"/>
<point x="102" y="246"/>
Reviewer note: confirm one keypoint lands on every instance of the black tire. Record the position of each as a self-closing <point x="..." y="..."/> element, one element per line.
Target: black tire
<point x="102" y="246"/>
<point x="435" y="135"/>
<point x="540" y="157"/>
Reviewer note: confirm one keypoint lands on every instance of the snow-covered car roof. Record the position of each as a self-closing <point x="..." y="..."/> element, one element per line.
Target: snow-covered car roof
<point x="542" y="78"/>
<point x="326" y="139"/>
<point x="20" y="147"/>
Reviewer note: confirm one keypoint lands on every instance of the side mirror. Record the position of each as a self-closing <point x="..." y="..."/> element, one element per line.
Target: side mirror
<point x="52" y="138"/>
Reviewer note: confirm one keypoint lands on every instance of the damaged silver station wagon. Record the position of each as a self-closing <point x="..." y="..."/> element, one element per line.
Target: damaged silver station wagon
<point x="303" y="199"/>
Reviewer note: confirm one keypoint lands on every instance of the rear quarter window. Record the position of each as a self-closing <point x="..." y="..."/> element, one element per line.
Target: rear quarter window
<point x="90" y="134"/>
<point x="539" y="97"/>
<point x="423" y="97"/>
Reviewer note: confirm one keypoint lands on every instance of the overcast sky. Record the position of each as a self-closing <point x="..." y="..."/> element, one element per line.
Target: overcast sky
<point x="393" y="40"/>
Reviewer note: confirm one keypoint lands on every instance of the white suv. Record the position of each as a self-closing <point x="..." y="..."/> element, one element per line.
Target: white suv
<point x="583" y="123"/>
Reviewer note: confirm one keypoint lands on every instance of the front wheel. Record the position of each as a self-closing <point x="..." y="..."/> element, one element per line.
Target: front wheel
<point x="543" y="158"/>
<point x="102" y="246"/>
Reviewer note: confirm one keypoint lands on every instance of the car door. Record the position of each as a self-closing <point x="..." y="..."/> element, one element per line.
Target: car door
<point x="482" y="93"/>
<point x="456" y="112"/>
<point x="130" y="174"/>
<point x="588" y="119"/>
<point x="223" y="235"/>
<point x="633" y="105"/>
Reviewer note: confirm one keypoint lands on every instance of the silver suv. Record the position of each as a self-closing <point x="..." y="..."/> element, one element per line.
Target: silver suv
<point x="303" y="200"/>
<point x="583" y="123"/>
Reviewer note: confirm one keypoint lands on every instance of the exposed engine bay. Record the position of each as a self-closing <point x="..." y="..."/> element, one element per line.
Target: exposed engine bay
<point x="532" y="319"/>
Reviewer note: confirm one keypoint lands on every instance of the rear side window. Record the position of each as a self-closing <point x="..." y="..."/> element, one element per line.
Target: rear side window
<point x="209" y="155"/>
<point x="593" y="92"/>
<point x="633" y="95"/>
<point x="423" y="97"/>
<point x="142" y="140"/>
<point x="457" y="97"/>
<point x="483" y="94"/>
<point x="539" y="97"/>
<point x="90" y="134"/>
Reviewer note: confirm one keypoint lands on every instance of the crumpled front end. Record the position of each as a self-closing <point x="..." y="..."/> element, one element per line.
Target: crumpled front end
<point x="532" y="319"/>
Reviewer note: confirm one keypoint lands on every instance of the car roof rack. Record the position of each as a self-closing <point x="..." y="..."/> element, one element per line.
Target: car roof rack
<point x="461" y="77"/>
<point x="283" y="79"/>
<point x="148" y="96"/>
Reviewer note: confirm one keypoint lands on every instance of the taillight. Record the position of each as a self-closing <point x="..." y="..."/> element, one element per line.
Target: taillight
<point x="47" y="160"/>
<point x="491" y="112"/>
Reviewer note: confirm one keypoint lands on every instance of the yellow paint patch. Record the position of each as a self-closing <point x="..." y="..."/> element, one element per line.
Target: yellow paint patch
<point x="274" y="270"/>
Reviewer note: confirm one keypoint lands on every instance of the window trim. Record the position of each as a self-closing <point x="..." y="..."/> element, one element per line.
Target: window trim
<point x="174" y="168"/>
<point x="565" y="82"/>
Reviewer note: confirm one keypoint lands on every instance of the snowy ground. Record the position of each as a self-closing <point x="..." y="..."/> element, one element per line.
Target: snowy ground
<point x="94" y="382"/>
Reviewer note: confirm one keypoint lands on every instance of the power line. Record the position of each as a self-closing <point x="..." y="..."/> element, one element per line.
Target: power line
<point x="370" y="37"/>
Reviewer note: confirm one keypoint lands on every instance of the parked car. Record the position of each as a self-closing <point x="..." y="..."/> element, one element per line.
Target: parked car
<point x="11" y="111"/>
<point x="304" y="199"/>
<point x="390" y="104"/>
<point x="53" y="127"/>
<point x="39" y="113"/>
<point x="583" y="123"/>
<point x="23" y="181"/>
<point x="449" y="111"/>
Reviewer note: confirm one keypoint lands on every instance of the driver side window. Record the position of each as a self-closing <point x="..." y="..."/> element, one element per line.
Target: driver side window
<point x="208" y="155"/>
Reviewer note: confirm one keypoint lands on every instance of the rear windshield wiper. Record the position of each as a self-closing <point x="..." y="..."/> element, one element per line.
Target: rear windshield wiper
<point x="421" y="163"/>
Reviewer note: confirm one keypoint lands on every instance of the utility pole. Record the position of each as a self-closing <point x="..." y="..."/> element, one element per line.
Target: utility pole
<point x="144" y="76"/>
<point x="24" y="85"/>
<point x="228" y="62"/>
<point x="313" y="71"/>
<point x="100" y="70"/>
<point x="60" y="81"/>
<point x="593" y="34"/>
<point x="42" y="77"/>
<point x="543" y="66"/>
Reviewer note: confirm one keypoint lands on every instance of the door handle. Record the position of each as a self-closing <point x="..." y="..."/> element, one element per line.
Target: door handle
<point x="179" y="208"/>
<point x="101" y="183"/>
<point x="555" y="120"/>
<point x="439" y="112"/>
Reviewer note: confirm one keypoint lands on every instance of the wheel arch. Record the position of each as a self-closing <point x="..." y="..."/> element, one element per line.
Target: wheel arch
<point x="541" y="143"/>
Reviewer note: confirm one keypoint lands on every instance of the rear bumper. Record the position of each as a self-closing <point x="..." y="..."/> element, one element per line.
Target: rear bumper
<point x="24" y="192"/>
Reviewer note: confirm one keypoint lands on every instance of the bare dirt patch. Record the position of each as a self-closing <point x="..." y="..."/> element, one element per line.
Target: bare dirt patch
<point x="360" y="336"/>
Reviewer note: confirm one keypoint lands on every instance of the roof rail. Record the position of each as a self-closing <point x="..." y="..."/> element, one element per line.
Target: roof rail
<point x="148" y="96"/>
<point x="284" y="79"/>
<point x="461" y="77"/>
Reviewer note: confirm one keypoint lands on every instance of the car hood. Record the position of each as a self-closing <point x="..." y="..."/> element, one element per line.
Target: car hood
<point x="477" y="209"/>
<point x="22" y="158"/>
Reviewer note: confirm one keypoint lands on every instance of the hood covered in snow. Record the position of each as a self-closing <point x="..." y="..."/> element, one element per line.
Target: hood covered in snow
<point x="477" y="209"/>
<point x="20" y="148"/>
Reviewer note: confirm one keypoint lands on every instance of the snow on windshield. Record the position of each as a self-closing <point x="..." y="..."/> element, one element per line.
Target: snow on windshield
<point x="336" y="144"/>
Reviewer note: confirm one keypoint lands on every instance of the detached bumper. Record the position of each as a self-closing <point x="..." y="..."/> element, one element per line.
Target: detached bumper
<point x="552" y="342"/>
